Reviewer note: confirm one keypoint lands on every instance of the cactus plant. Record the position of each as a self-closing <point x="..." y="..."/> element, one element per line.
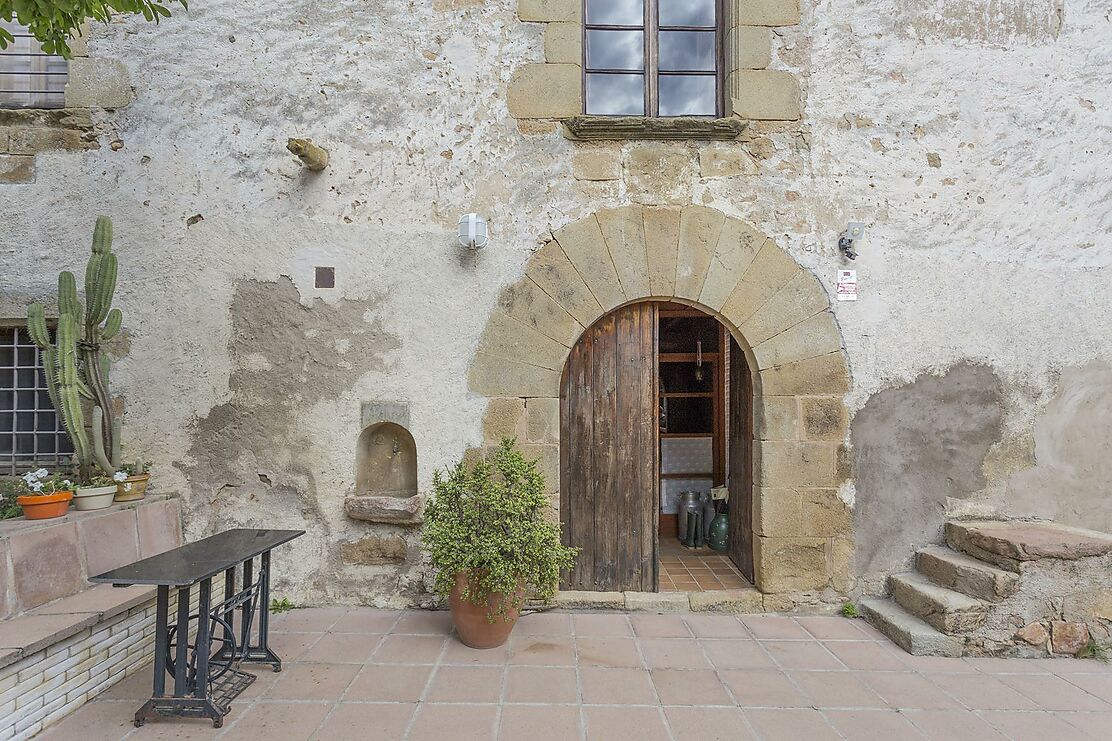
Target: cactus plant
<point x="75" y="365"/>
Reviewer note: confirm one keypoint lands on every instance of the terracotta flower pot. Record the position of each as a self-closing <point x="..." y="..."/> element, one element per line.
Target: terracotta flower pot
<point x="474" y="628"/>
<point x="45" y="506"/>
<point x="133" y="488"/>
<point x="93" y="497"/>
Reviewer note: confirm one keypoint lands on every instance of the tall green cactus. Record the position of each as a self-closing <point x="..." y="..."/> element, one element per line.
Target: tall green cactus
<point x="76" y="367"/>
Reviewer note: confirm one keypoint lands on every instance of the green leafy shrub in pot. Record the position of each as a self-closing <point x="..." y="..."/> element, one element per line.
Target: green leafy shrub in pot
<point x="487" y="536"/>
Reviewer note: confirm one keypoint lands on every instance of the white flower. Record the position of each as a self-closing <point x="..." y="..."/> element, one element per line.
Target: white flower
<point x="36" y="486"/>
<point x="42" y="473"/>
<point x="127" y="486"/>
<point x="67" y="483"/>
<point x="119" y="476"/>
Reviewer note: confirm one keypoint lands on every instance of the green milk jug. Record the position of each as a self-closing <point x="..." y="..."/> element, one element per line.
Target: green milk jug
<point x="719" y="532"/>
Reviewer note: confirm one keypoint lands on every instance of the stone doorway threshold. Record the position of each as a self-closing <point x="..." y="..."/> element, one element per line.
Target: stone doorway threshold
<point x="737" y="601"/>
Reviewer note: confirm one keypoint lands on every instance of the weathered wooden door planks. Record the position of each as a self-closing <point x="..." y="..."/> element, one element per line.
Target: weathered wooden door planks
<point x="740" y="475"/>
<point x="609" y="486"/>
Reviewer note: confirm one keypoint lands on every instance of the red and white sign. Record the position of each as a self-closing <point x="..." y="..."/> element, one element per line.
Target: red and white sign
<point x="847" y="285"/>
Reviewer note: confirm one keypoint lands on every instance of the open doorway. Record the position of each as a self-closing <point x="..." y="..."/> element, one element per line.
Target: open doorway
<point x="655" y="413"/>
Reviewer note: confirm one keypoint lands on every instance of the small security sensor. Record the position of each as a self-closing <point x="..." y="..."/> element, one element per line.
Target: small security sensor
<point x="854" y="231"/>
<point x="472" y="231"/>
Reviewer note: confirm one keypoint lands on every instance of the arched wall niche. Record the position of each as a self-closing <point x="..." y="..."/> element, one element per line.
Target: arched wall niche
<point x="386" y="462"/>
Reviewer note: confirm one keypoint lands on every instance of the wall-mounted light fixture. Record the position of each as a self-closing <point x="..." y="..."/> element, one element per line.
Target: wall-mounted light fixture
<point x="854" y="231"/>
<point x="472" y="231"/>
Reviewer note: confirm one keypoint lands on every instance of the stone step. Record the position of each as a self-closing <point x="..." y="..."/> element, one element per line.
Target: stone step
<point x="947" y="610"/>
<point x="1009" y="543"/>
<point x="966" y="574"/>
<point x="907" y="631"/>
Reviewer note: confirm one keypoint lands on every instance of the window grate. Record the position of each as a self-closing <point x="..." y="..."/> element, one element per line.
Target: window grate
<point x="31" y="432"/>
<point x="30" y="78"/>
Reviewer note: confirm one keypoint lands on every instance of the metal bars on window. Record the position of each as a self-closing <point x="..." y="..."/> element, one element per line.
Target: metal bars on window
<point x="31" y="433"/>
<point x="29" y="77"/>
<point x="652" y="57"/>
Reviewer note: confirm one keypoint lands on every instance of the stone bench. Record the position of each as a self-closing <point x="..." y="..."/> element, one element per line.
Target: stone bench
<point x="63" y="641"/>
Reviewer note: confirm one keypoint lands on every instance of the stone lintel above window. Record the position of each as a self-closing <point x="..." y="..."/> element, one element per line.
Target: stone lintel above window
<point x="641" y="127"/>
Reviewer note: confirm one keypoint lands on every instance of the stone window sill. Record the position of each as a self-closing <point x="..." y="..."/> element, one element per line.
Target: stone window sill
<point x="641" y="127"/>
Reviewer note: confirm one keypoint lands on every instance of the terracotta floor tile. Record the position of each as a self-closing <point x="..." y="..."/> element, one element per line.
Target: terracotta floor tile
<point x="763" y="689"/>
<point x="389" y="683"/>
<point x="1054" y="693"/>
<point x="737" y="654"/>
<point x="869" y="725"/>
<point x="466" y="684"/>
<point x="541" y="685"/>
<point x="602" y="624"/>
<point x="540" y="723"/>
<point x="866" y="656"/>
<point x="992" y="665"/>
<point x="689" y="687"/>
<point x="801" y="655"/>
<point x="836" y="690"/>
<point x="102" y="720"/>
<point x="548" y="624"/>
<point x="608" y="652"/>
<point x="409" y="649"/>
<point x="542" y="650"/>
<point x="673" y="653"/>
<point x="792" y="724"/>
<point x="715" y="626"/>
<point x="1099" y="685"/>
<point x="312" y="682"/>
<point x="287" y="721"/>
<point x="135" y="688"/>
<point x="932" y="664"/>
<point x="306" y="620"/>
<point x="832" y="628"/>
<point x="1033" y="726"/>
<point x="458" y="653"/>
<point x="625" y="724"/>
<point x="342" y="648"/>
<point x="707" y="724"/>
<point x="366" y="620"/>
<point x="444" y="722"/>
<point x="292" y="646"/>
<point x="774" y="627"/>
<point x="616" y="686"/>
<point x="352" y="721"/>
<point x="907" y="690"/>
<point x="952" y="725"/>
<point x="424" y="622"/>
<point x="980" y="692"/>
<point x="659" y="626"/>
<point x="1097" y="725"/>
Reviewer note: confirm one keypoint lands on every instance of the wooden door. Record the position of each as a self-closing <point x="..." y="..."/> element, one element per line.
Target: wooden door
<point x="740" y="474"/>
<point x="609" y="488"/>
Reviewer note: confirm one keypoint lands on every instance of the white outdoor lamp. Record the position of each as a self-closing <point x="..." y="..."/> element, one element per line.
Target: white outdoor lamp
<point x="472" y="231"/>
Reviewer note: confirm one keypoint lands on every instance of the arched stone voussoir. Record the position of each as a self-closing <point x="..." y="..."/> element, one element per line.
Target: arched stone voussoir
<point x="801" y="298"/>
<point x="700" y="228"/>
<point x="662" y="243"/>
<point x="494" y="376"/>
<point x="812" y="337"/>
<point x="508" y="338"/>
<point x="623" y="230"/>
<point x="738" y="245"/>
<point x="554" y="273"/>
<point x="824" y="375"/>
<point x="771" y="269"/>
<point x="528" y="304"/>
<point x="582" y="242"/>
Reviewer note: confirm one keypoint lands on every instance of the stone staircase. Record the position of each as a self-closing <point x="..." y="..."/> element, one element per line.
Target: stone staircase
<point x="966" y="596"/>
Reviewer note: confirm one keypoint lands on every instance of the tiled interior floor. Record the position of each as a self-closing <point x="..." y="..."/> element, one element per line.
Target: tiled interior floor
<point x="380" y="675"/>
<point x="696" y="570"/>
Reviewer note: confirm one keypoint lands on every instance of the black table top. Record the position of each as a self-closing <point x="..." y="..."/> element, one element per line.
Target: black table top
<point x="200" y="559"/>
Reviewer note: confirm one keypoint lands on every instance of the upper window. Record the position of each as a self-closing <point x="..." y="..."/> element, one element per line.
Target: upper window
<point x="29" y="77"/>
<point x="652" y="57"/>
<point x="31" y="434"/>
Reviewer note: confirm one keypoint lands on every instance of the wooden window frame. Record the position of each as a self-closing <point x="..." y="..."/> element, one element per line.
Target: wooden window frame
<point x="650" y="72"/>
<point x="36" y="99"/>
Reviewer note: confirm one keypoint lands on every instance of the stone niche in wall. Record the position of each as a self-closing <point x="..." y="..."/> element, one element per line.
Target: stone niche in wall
<point x="385" y="468"/>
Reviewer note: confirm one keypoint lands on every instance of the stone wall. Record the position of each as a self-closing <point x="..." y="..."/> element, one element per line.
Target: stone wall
<point x="965" y="136"/>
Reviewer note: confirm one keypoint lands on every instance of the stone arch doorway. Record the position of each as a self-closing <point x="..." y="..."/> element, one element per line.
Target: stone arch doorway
<point x="775" y="309"/>
<point x="655" y="400"/>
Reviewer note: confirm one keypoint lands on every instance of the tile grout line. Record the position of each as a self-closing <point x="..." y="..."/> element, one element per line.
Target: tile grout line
<point x="428" y="685"/>
<point x="729" y="692"/>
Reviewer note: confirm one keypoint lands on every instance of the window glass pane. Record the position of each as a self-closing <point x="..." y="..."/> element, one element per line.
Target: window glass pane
<point x="684" y="51"/>
<point x="616" y="50"/>
<point x="687" y="12"/>
<point x="687" y="95"/>
<point x="616" y="95"/>
<point x="616" y="12"/>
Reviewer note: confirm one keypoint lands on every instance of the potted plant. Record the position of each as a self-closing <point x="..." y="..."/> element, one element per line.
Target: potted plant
<point x="96" y="492"/>
<point x="131" y="481"/>
<point x="490" y="543"/>
<point x="44" y="495"/>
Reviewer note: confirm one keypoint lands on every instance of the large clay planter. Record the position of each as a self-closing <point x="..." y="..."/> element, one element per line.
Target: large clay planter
<point x="133" y="488"/>
<point x="89" y="498"/>
<point x="475" y="629"/>
<point x="45" y="506"/>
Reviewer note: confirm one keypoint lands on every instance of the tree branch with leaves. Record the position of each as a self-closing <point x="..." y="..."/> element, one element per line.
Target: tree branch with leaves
<point x="54" y="23"/>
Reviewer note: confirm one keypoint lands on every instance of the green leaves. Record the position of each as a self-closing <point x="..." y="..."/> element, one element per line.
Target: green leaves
<point x="55" y="22"/>
<point x="488" y="520"/>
